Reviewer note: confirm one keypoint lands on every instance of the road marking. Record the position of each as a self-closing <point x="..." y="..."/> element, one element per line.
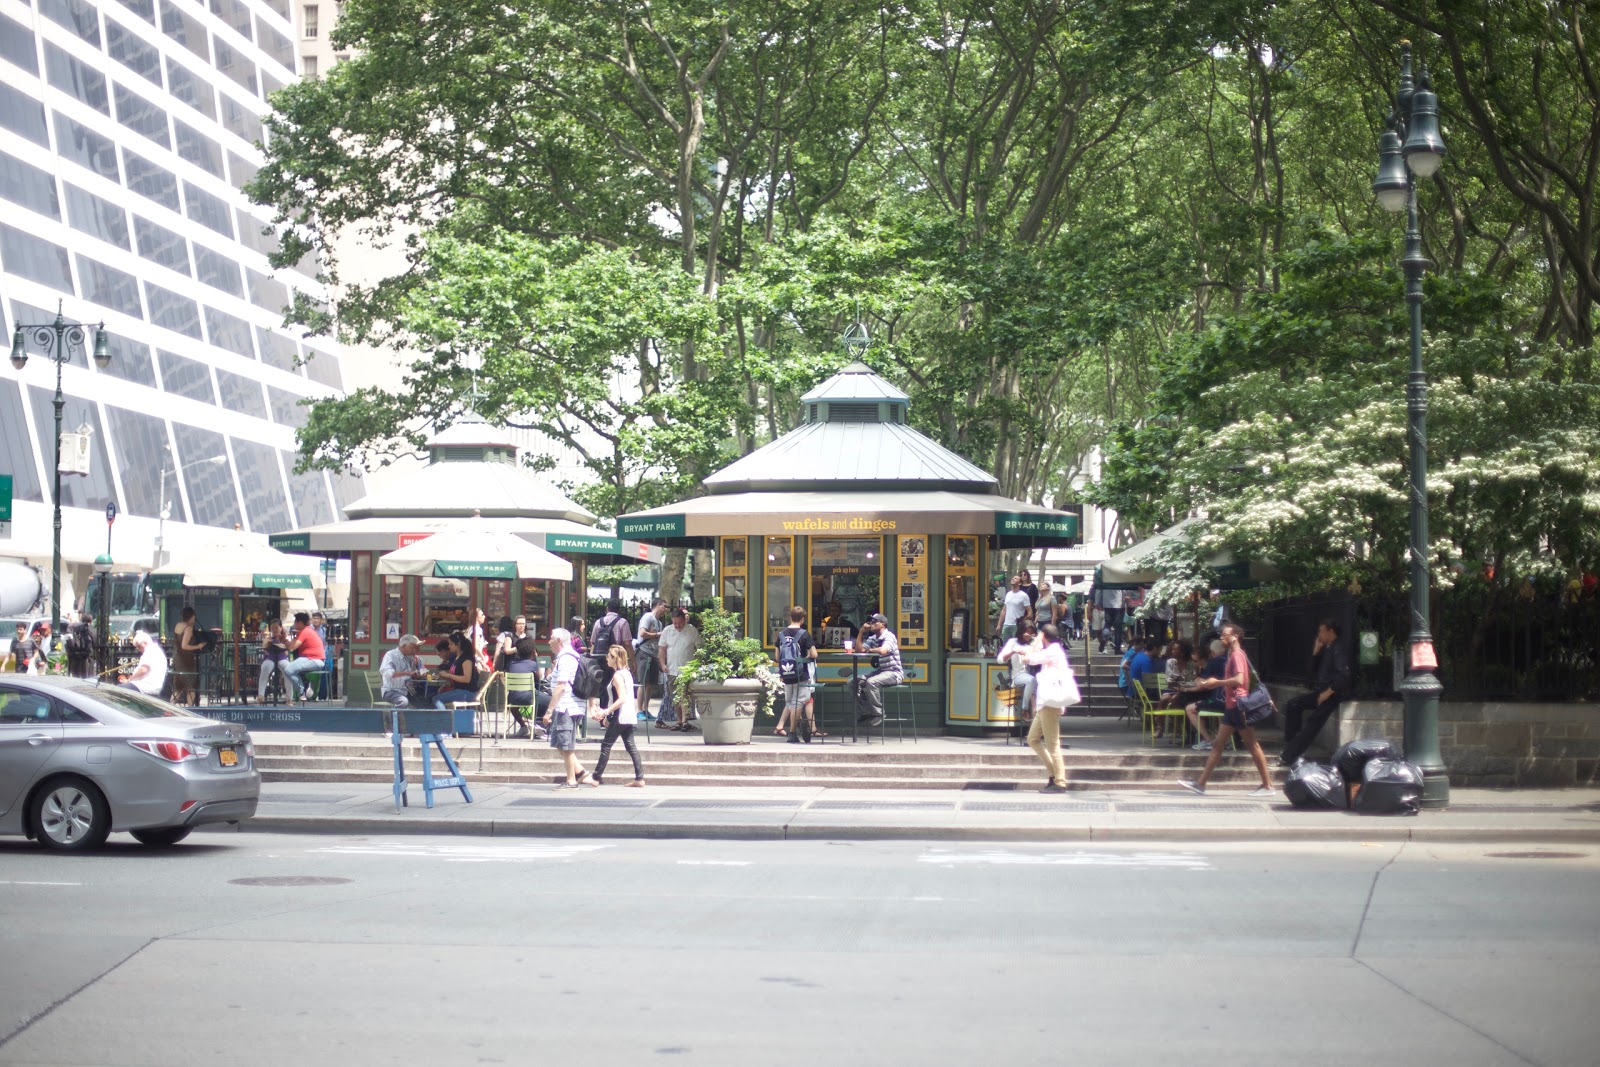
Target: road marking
<point x="714" y="863"/>
<point x="1188" y="861"/>
<point x="508" y="853"/>
<point x="41" y="883"/>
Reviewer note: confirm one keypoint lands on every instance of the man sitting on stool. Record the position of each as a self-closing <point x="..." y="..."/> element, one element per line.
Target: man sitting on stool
<point x="876" y="638"/>
<point x="1330" y="680"/>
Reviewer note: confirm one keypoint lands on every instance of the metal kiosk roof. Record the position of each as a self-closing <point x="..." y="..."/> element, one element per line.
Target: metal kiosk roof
<point x="852" y="467"/>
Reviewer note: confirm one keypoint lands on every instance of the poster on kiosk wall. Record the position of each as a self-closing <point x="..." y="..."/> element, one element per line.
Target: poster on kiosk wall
<point x="913" y="621"/>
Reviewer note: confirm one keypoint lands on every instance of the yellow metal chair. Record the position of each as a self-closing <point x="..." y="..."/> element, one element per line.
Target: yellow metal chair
<point x="1150" y="713"/>
<point x="525" y="682"/>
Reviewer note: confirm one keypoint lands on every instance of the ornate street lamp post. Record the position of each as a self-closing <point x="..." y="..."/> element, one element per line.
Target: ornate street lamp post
<point x="103" y="658"/>
<point x="1410" y="149"/>
<point x="57" y="339"/>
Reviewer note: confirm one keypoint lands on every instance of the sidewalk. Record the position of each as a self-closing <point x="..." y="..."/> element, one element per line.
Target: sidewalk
<point x="1161" y="813"/>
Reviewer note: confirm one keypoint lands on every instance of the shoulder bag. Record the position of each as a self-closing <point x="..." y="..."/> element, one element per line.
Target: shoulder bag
<point x="1255" y="706"/>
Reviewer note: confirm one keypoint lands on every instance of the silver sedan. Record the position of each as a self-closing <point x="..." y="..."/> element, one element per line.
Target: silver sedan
<point x="80" y="760"/>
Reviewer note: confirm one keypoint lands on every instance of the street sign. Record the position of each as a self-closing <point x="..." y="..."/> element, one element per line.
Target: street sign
<point x="5" y="498"/>
<point x="111" y="513"/>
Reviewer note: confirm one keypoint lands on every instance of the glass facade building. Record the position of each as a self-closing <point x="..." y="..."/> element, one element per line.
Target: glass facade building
<point x="127" y="128"/>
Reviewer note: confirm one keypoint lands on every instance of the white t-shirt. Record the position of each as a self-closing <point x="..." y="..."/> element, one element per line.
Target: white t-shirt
<point x="1017" y="605"/>
<point x="156" y="660"/>
<point x="679" y="645"/>
<point x="566" y="670"/>
<point x="628" y="713"/>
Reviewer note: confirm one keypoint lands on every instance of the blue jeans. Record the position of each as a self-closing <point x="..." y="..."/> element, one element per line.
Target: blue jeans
<point x="454" y="696"/>
<point x="294" y="668"/>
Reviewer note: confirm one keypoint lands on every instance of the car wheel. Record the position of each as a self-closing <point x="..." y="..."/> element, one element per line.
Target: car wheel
<point x="71" y="815"/>
<point x="161" y="836"/>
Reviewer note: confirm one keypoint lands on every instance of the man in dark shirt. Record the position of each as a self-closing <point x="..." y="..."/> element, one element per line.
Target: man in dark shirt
<point x="1304" y="715"/>
<point x="23" y="649"/>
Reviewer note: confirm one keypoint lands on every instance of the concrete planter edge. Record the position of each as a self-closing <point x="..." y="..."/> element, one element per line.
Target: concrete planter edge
<point x="727" y="709"/>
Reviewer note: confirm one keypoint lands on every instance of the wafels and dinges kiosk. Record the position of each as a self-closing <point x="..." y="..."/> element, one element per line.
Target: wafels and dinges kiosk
<point x="854" y="512"/>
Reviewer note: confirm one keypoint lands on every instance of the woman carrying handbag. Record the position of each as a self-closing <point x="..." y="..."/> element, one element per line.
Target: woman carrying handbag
<point x="1057" y="690"/>
<point x="1244" y="706"/>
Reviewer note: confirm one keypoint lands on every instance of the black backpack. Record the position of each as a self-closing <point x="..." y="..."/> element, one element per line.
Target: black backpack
<point x="589" y="681"/>
<point x="606" y="637"/>
<point x="791" y="662"/>
<point x="207" y="640"/>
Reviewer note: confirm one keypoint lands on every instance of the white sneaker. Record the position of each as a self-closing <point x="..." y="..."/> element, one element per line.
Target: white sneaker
<point x="1263" y="791"/>
<point x="1201" y="746"/>
<point x="1192" y="787"/>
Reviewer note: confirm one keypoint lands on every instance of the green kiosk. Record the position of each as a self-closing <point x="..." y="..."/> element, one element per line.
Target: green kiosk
<point x="854" y="512"/>
<point x="472" y="474"/>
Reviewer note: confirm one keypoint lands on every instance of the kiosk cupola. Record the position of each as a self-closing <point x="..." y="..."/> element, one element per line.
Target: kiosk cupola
<point x="471" y="440"/>
<point x="855" y="395"/>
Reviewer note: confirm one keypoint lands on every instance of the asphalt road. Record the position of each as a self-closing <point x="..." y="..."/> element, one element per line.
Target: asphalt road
<point x="413" y="950"/>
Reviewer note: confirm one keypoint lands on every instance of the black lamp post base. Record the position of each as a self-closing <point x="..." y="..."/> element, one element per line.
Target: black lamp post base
<point x="1420" y="694"/>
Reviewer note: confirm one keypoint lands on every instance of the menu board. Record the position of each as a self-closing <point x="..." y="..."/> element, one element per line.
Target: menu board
<point x="913" y="585"/>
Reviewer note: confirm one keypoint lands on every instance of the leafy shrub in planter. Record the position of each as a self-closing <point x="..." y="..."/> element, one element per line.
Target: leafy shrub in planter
<point x="723" y="655"/>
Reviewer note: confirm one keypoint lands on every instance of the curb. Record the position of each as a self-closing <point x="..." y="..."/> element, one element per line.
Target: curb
<point x="1369" y="831"/>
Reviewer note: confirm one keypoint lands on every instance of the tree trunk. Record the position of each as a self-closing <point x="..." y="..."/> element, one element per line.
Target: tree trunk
<point x="672" y="568"/>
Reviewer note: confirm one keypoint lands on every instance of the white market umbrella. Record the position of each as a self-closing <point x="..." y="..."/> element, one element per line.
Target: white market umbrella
<point x="475" y="551"/>
<point x="1135" y="566"/>
<point x="237" y="560"/>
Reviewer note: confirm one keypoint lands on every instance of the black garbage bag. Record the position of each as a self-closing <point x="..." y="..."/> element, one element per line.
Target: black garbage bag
<point x="1390" y="787"/>
<point x="1315" y="785"/>
<point x="1353" y="756"/>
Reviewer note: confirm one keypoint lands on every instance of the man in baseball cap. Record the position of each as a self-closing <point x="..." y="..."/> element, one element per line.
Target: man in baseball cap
<point x="877" y="638"/>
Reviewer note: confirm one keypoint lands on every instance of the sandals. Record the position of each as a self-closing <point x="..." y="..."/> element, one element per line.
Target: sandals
<point x="779" y="732"/>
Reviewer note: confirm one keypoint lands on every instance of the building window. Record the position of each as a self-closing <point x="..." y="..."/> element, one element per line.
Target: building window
<point x="444" y="607"/>
<point x="308" y="66"/>
<point x="779" y="570"/>
<point x="310" y="21"/>
<point x="394" y="606"/>
<point x="846" y="576"/>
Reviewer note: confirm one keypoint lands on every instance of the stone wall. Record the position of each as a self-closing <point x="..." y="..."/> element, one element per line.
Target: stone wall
<point x="1494" y="744"/>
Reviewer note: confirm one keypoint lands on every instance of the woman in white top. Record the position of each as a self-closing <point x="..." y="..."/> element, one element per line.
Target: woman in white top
<point x="1044" y="736"/>
<point x="565" y="708"/>
<point x="1015" y="655"/>
<point x="621" y="715"/>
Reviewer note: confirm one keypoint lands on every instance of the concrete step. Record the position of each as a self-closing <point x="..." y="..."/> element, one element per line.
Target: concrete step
<point x="833" y="757"/>
<point x="619" y="772"/>
<point x="898" y="766"/>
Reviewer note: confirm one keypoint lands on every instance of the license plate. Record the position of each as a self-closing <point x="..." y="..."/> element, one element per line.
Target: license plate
<point x="228" y="756"/>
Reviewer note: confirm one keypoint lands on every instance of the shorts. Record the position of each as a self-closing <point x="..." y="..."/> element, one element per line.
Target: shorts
<point x="563" y="732"/>
<point x="646" y="668"/>
<point x="797" y="694"/>
<point x="1234" y="717"/>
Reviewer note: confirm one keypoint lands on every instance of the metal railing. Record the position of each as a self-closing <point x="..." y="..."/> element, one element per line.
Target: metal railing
<point x="1527" y="643"/>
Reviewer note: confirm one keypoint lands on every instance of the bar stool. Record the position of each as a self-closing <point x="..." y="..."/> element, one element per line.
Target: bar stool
<point x="903" y="712"/>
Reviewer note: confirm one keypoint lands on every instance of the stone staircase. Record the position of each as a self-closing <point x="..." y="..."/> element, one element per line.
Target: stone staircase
<point x="830" y="765"/>
<point x="1106" y="753"/>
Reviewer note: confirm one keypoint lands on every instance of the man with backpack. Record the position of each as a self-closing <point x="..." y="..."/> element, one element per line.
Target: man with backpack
<point x="797" y="655"/>
<point x="609" y="629"/>
<point x="80" y="645"/>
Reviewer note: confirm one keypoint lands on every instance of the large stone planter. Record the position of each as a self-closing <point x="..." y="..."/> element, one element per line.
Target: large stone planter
<point x="727" y="710"/>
